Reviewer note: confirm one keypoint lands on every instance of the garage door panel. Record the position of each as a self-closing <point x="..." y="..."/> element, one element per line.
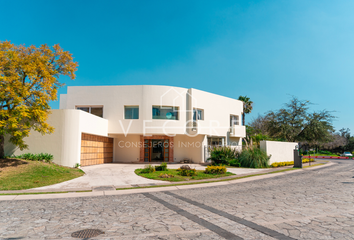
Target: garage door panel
<point x="96" y="150"/>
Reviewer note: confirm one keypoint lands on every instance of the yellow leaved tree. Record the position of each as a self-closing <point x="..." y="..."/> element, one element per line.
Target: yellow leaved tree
<point x="29" y="80"/>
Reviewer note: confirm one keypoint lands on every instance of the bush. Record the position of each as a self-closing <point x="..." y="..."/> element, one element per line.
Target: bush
<point x="306" y="160"/>
<point x="222" y="155"/>
<point x="215" y="170"/>
<point x="282" y="164"/>
<point x="148" y="169"/>
<point x="36" y="157"/>
<point x="187" y="172"/>
<point x="162" y="167"/>
<point x="165" y="175"/>
<point x="254" y="158"/>
<point x="235" y="163"/>
<point x="324" y="152"/>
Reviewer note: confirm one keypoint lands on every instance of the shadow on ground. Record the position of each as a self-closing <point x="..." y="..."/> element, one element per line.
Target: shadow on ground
<point x="11" y="162"/>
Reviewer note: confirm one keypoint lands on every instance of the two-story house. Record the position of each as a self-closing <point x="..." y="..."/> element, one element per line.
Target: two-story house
<point x="102" y="124"/>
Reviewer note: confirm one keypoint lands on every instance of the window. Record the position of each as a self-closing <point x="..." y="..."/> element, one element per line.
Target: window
<point x="234" y="120"/>
<point x="216" y="141"/>
<point x="165" y="112"/>
<point x="198" y="114"/>
<point x="131" y="112"/>
<point x="97" y="111"/>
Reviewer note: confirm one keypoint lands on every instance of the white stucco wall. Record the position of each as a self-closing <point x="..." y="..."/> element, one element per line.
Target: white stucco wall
<point x="65" y="142"/>
<point x="189" y="147"/>
<point x="126" y="148"/>
<point x="280" y="151"/>
<point x="217" y="109"/>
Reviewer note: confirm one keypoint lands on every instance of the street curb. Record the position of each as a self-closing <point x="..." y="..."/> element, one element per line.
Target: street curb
<point x="155" y="189"/>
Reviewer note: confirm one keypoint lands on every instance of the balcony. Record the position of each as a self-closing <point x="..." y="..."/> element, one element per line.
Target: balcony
<point x="238" y="131"/>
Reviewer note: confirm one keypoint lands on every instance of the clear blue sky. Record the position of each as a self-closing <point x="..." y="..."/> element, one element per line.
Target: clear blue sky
<point x="267" y="50"/>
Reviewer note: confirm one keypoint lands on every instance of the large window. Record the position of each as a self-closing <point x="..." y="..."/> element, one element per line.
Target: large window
<point x="234" y="120"/>
<point x="98" y="111"/>
<point x="216" y="141"/>
<point x="165" y="112"/>
<point x="131" y="112"/>
<point x="198" y="114"/>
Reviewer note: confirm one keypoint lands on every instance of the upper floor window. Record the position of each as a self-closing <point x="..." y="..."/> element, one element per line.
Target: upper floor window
<point x="165" y="112"/>
<point x="98" y="111"/>
<point x="131" y="112"/>
<point x="234" y="120"/>
<point x="198" y="114"/>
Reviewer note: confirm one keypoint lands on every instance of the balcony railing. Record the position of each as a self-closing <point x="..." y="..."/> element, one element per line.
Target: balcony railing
<point x="237" y="131"/>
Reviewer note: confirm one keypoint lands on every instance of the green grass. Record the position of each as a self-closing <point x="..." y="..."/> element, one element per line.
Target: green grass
<point x="16" y="174"/>
<point x="313" y="165"/>
<point x="320" y="154"/>
<point x="35" y="193"/>
<point x="221" y="180"/>
<point x="178" y="178"/>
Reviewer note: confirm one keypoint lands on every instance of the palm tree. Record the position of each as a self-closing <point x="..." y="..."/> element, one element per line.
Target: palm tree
<point x="247" y="107"/>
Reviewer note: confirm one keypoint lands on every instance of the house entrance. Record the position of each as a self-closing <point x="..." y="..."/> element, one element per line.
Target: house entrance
<point x="156" y="149"/>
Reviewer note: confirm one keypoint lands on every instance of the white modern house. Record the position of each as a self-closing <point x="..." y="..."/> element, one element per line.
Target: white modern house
<point x="128" y="124"/>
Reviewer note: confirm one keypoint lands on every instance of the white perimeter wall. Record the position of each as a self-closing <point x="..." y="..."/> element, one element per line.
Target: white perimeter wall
<point x="65" y="143"/>
<point x="280" y="151"/>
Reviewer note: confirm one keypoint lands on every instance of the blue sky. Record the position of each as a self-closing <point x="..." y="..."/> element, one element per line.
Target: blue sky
<point x="267" y="50"/>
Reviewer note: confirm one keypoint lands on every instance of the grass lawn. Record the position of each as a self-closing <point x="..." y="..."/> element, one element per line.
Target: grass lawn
<point x="18" y="174"/>
<point x="320" y="154"/>
<point x="177" y="178"/>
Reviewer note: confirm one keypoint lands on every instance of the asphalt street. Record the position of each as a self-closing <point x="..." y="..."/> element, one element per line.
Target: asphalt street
<point x="308" y="204"/>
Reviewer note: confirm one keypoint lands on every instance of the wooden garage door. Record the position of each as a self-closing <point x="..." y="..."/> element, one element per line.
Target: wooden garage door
<point x="96" y="150"/>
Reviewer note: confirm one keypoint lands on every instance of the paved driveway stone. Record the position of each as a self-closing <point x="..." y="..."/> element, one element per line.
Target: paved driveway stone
<point x="309" y="204"/>
<point x="119" y="175"/>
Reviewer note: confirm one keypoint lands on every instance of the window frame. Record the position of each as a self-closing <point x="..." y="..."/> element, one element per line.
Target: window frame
<point x="195" y="111"/>
<point x="90" y="107"/>
<point x="174" y="109"/>
<point x="131" y="106"/>
<point x="237" y="117"/>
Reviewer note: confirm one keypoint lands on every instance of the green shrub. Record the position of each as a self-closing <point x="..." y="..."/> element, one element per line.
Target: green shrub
<point x="254" y="158"/>
<point x="162" y="167"/>
<point x="215" y="170"/>
<point x="187" y="172"/>
<point x="324" y="152"/>
<point x="222" y="155"/>
<point x="148" y="169"/>
<point x="235" y="163"/>
<point x="36" y="157"/>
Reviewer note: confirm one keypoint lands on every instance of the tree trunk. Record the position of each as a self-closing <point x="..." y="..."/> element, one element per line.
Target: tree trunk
<point x="2" y="146"/>
<point x="243" y="119"/>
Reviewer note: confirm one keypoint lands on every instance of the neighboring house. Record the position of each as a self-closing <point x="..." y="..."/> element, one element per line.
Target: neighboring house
<point x="99" y="124"/>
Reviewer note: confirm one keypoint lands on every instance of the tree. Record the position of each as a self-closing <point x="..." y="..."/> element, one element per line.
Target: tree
<point x="259" y="125"/>
<point x="29" y="80"/>
<point x="350" y="145"/>
<point x="247" y="107"/>
<point x="294" y="123"/>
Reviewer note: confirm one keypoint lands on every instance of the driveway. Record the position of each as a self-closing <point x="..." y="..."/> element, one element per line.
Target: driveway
<point x="313" y="203"/>
<point x="120" y="175"/>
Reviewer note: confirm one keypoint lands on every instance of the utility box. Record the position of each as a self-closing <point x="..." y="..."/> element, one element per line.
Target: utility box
<point x="297" y="159"/>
